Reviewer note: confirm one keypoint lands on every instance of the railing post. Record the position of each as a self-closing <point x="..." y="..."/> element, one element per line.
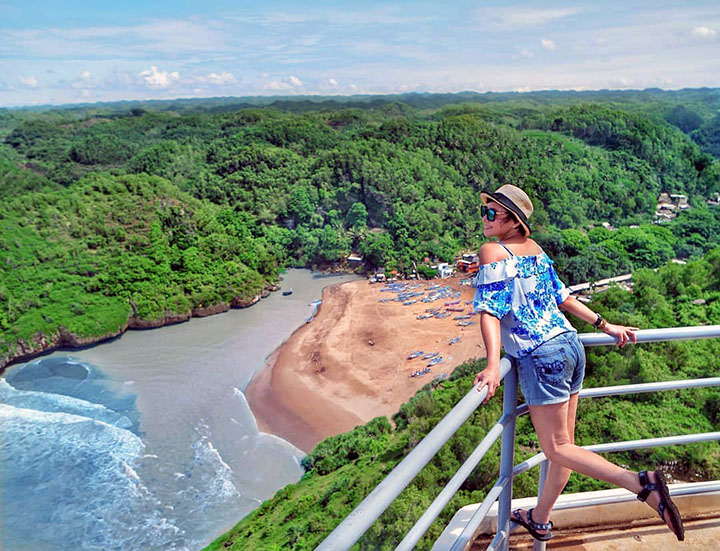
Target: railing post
<point x="544" y="466"/>
<point x="507" y="456"/>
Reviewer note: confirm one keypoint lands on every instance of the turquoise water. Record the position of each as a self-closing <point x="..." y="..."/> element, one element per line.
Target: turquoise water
<point x="146" y="442"/>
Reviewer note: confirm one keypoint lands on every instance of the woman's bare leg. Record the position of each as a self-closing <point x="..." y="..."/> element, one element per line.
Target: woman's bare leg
<point x="552" y="427"/>
<point x="557" y="475"/>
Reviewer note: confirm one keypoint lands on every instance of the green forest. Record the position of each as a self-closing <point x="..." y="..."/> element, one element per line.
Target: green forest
<point x="138" y="214"/>
<point x="141" y="214"/>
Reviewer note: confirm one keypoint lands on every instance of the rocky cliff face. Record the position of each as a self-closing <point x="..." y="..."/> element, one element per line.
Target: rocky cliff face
<point x="242" y="301"/>
<point x="204" y="311"/>
<point x="168" y="319"/>
<point x="66" y="338"/>
<point x="41" y="344"/>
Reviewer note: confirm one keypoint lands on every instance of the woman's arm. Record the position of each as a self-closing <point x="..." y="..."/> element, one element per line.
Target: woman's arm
<point x="490" y="326"/>
<point x="490" y="329"/>
<point x="622" y="333"/>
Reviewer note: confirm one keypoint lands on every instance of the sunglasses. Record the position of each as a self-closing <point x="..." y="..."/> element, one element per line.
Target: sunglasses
<point x="489" y="213"/>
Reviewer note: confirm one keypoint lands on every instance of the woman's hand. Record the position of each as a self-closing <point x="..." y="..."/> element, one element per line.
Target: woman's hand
<point x="490" y="376"/>
<point x="622" y="333"/>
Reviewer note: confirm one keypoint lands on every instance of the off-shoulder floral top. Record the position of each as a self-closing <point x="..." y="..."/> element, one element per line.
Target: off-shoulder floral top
<point x="524" y="293"/>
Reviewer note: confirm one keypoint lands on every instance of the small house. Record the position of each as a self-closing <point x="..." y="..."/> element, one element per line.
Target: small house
<point x="444" y="270"/>
<point x="469" y="263"/>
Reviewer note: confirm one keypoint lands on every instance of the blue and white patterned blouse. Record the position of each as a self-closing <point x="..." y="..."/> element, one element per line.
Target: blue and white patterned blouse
<point x="524" y="293"/>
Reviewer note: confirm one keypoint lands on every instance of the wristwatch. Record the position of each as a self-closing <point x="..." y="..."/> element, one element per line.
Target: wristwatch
<point x="598" y="322"/>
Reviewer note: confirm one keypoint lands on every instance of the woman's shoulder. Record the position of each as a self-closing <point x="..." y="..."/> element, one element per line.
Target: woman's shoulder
<point x="529" y="248"/>
<point x="496" y="264"/>
<point x="492" y="252"/>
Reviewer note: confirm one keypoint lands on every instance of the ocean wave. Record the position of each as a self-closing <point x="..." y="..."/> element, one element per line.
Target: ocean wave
<point x="32" y="400"/>
<point x="218" y="476"/>
<point x="248" y="421"/>
<point x="65" y="384"/>
<point x="69" y="466"/>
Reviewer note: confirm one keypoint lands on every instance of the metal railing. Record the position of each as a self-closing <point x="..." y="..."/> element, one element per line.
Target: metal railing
<point x="350" y="530"/>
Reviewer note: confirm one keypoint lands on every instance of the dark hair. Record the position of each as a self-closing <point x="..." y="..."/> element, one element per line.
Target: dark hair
<point x="519" y="225"/>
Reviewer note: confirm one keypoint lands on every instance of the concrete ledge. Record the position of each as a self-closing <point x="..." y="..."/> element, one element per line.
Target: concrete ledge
<point x="622" y="508"/>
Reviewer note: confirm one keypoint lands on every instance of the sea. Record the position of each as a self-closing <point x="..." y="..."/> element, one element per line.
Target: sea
<point x="147" y="442"/>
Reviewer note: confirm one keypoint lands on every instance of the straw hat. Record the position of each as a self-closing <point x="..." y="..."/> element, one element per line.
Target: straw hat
<point x="515" y="200"/>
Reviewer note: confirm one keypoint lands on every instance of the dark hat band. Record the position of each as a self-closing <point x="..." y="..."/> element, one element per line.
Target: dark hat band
<point x="506" y="202"/>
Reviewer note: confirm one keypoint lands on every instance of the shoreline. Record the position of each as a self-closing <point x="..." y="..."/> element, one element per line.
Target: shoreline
<point x="297" y="421"/>
<point x="42" y="344"/>
<point x="350" y="363"/>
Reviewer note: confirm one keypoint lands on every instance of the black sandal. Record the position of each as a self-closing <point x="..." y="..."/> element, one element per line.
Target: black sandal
<point x="665" y="502"/>
<point x="532" y="526"/>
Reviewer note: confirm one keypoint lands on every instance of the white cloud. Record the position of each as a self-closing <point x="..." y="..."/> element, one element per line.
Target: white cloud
<point x="30" y="82"/>
<point x="158" y="79"/>
<point x="703" y="32"/>
<point x="224" y="77"/>
<point x="332" y="82"/>
<point x="289" y="83"/>
<point x="548" y="44"/>
<point x="264" y="75"/>
<point x="277" y="85"/>
<point x="85" y="75"/>
<point x="523" y="89"/>
<point x="525" y="54"/>
<point x="85" y="93"/>
<point x="512" y="17"/>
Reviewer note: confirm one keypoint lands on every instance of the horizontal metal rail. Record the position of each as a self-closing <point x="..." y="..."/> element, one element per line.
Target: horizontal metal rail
<point x="609" y="447"/>
<point x="656" y="335"/>
<point x="358" y="521"/>
<point x="694" y="488"/>
<point x="638" y="388"/>
<point x="648" y="387"/>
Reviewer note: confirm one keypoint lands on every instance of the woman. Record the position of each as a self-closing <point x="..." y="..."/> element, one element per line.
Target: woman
<point x="521" y="301"/>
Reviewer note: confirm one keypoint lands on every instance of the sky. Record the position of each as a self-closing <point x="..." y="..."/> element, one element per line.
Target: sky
<point x="54" y="52"/>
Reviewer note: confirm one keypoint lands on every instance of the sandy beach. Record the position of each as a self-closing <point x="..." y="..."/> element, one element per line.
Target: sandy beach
<point x="350" y="363"/>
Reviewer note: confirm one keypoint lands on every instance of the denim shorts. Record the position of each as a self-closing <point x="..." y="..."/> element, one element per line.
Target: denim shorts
<point x="553" y="371"/>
